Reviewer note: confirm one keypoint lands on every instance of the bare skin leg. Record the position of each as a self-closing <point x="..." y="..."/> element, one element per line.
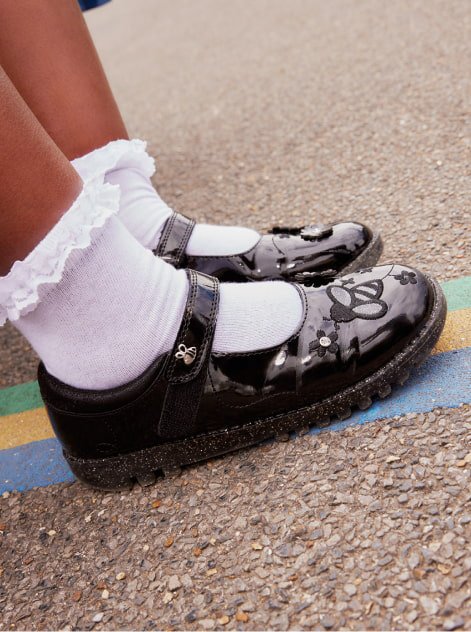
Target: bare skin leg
<point x="38" y="184"/>
<point x="47" y="51"/>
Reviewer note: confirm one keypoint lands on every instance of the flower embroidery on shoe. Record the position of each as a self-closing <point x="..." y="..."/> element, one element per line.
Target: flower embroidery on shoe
<point x="360" y="301"/>
<point x="406" y="277"/>
<point x="324" y="343"/>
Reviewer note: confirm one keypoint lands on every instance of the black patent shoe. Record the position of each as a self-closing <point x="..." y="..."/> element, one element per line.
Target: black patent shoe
<point x="360" y="335"/>
<point x="285" y="253"/>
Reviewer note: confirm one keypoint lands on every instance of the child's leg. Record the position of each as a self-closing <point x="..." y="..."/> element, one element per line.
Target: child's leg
<point x="47" y="51"/>
<point x="38" y="183"/>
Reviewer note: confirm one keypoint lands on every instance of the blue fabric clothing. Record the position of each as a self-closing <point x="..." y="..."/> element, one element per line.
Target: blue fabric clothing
<point x="91" y="4"/>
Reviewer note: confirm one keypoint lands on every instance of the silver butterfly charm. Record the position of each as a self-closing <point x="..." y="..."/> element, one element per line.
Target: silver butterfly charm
<point x="187" y="354"/>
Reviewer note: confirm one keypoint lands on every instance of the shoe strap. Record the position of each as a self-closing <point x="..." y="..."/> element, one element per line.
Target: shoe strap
<point x="174" y="239"/>
<point x="187" y="367"/>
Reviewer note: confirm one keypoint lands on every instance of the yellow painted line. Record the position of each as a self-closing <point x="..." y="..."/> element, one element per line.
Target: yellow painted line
<point x="21" y="428"/>
<point x="33" y="425"/>
<point x="456" y="333"/>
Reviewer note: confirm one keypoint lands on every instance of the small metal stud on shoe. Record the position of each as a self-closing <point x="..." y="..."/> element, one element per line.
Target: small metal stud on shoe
<point x="187" y="354"/>
<point x="316" y="231"/>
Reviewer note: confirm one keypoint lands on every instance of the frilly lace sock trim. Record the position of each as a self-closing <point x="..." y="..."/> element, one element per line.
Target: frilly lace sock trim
<point x="29" y="280"/>
<point x="117" y="154"/>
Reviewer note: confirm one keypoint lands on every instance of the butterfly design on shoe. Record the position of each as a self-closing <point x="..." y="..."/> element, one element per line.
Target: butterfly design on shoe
<point x="359" y="301"/>
<point x="187" y="354"/>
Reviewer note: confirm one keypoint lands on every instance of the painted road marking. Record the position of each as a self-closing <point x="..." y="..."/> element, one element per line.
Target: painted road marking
<point x="457" y="332"/>
<point x="31" y="457"/>
<point x="36" y="464"/>
<point x="458" y="293"/>
<point x="16" y="399"/>
<point x="22" y="428"/>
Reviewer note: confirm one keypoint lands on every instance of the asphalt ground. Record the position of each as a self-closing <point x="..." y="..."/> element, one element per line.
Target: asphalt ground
<point x="262" y="113"/>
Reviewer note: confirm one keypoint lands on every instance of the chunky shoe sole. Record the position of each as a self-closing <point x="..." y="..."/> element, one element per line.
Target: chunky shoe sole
<point x="123" y="471"/>
<point x="369" y="257"/>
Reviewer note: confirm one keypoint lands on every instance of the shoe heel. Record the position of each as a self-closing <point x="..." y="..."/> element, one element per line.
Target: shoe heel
<point x="105" y="474"/>
<point x="123" y="471"/>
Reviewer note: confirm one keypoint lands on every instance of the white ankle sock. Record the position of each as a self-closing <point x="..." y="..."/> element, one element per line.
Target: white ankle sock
<point x="127" y="164"/>
<point x="99" y="308"/>
<point x="256" y="315"/>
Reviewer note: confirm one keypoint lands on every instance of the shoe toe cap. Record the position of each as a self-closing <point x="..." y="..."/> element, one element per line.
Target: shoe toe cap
<point x="389" y="305"/>
<point x="409" y="292"/>
<point x="373" y="315"/>
<point x="349" y="240"/>
<point x="353" y="236"/>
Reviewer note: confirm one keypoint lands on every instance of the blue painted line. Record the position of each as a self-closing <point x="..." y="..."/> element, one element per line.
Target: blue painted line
<point x="36" y="464"/>
<point x="444" y="381"/>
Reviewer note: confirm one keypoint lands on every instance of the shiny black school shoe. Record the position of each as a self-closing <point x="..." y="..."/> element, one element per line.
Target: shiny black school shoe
<point x="285" y="254"/>
<point x="360" y="335"/>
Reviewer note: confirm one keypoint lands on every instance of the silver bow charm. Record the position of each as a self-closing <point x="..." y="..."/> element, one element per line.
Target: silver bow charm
<point x="187" y="354"/>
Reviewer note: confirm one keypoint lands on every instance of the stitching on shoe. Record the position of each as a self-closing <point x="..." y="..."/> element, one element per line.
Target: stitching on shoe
<point x="168" y="229"/>
<point x="190" y="224"/>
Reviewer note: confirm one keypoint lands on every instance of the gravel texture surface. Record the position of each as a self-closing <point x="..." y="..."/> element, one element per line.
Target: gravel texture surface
<point x="368" y="528"/>
<point x="261" y="113"/>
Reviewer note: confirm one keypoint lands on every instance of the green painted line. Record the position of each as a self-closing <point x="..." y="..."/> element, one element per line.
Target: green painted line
<point x="17" y="399"/>
<point x="458" y="293"/>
